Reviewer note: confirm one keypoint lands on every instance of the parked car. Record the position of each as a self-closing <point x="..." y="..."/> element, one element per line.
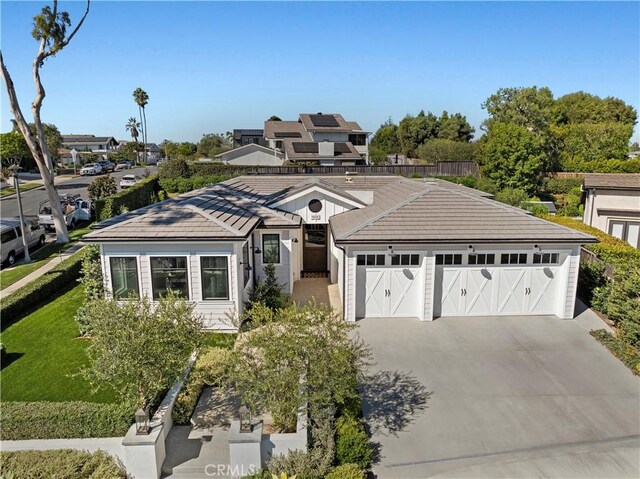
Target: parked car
<point x="124" y="165"/>
<point x="75" y="210"/>
<point x="11" y="244"/>
<point x="107" y="166"/>
<point x="91" y="169"/>
<point x="128" y="181"/>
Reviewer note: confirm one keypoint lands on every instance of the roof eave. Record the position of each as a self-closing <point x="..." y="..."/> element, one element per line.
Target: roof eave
<point x="469" y="240"/>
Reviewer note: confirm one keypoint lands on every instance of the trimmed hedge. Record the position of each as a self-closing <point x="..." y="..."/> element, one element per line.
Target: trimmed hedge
<point x="183" y="185"/>
<point x="46" y="287"/>
<point x="59" y="463"/>
<point x="141" y="194"/>
<point x="610" y="249"/>
<point x="64" y="420"/>
<point x="601" y="166"/>
<point x="346" y="471"/>
<point x="352" y="443"/>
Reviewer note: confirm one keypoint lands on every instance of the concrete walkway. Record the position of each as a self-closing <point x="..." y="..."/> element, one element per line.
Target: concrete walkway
<point x="40" y="271"/>
<point x="320" y="290"/>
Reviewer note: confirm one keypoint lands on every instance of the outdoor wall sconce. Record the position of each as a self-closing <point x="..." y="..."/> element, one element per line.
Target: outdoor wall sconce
<point x="245" y="419"/>
<point x="294" y="240"/>
<point x="256" y="249"/>
<point x="390" y="251"/>
<point x="537" y="248"/>
<point x="142" y="422"/>
<point x="471" y="249"/>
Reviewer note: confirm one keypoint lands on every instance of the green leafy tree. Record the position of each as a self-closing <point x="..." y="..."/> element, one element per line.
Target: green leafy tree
<point x="50" y="31"/>
<point x="581" y="107"/>
<point x="623" y="303"/>
<point x="385" y="139"/>
<point x="212" y="144"/>
<point x="102" y="187"/>
<point x="184" y="150"/>
<point x="274" y="118"/>
<point x="142" y="99"/>
<point x="378" y="156"/>
<point x="513" y="157"/>
<point x="440" y="149"/>
<point x="308" y="344"/>
<point x="454" y="127"/>
<point x="140" y="348"/>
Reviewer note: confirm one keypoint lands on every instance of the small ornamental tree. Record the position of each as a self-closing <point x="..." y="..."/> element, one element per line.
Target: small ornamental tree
<point x="269" y="292"/>
<point x="139" y="348"/>
<point x="102" y="187"/>
<point x="305" y="356"/>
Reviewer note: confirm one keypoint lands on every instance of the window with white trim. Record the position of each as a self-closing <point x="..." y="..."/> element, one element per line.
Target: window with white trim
<point x="405" y="260"/>
<point x="169" y="273"/>
<point x="124" y="277"/>
<point x="371" y="260"/>
<point x="513" y="258"/>
<point x="215" y="277"/>
<point x="448" y="259"/>
<point x="482" y="258"/>
<point x="546" y="258"/>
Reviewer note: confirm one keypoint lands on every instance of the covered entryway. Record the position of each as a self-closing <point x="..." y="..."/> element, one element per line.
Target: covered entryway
<point x="389" y="286"/>
<point x="314" y="254"/>
<point x="496" y="290"/>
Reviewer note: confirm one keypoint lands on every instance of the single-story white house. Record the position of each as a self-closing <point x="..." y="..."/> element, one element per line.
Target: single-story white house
<point x="252" y="155"/>
<point x="612" y="204"/>
<point x="396" y="247"/>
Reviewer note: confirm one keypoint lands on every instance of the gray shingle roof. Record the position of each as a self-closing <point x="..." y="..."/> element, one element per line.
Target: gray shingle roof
<point x="612" y="180"/>
<point x="403" y="210"/>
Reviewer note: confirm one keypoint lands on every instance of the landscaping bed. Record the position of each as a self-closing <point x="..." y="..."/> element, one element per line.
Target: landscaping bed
<point x="60" y="463"/>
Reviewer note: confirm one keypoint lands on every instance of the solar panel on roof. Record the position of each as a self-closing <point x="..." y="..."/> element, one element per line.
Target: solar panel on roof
<point x="288" y="134"/>
<point x="324" y="121"/>
<point x="305" y="147"/>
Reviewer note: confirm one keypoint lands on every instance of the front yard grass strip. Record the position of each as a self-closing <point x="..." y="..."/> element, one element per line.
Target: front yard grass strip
<point x="39" y="258"/>
<point x="620" y="349"/>
<point x="44" y="355"/>
<point x="47" y="287"/>
<point x="26" y="187"/>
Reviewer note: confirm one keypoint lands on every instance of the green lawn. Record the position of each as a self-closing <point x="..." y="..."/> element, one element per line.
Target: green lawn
<point x="39" y="258"/>
<point x="45" y="352"/>
<point x="26" y="187"/>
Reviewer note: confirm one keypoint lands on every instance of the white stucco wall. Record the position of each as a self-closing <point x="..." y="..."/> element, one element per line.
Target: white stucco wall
<point x="601" y="206"/>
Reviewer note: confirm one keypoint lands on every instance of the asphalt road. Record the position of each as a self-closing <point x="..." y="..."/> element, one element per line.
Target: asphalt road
<point x="31" y="199"/>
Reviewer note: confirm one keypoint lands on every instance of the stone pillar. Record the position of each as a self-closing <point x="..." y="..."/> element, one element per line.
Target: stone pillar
<point x="244" y="449"/>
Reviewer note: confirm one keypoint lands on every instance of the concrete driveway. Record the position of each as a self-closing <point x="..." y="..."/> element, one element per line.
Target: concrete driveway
<point x="499" y="397"/>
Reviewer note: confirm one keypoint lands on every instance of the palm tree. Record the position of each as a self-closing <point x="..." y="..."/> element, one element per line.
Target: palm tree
<point x="142" y="98"/>
<point x="133" y="126"/>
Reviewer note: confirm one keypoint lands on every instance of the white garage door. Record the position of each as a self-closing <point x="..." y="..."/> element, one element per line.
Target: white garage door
<point x="496" y="290"/>
<point x="389" y="290"/>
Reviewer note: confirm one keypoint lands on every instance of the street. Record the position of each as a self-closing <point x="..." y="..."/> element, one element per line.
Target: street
<point x="31" y="199"/>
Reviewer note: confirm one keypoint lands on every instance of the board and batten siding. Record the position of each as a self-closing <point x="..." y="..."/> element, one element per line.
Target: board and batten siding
<point x="214" y="312"/>
<point x="429" y="282"/>
<point x="283" y="268"/>
<point x="331" y="205"/>
<point x="572" y="283"/>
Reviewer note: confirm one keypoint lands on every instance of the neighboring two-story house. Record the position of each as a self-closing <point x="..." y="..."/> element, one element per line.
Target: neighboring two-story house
<point x="243" y="137"/>
<point x="327" y="139"/>
<point x="612" y="204"/>
<point x="96" y="144"/>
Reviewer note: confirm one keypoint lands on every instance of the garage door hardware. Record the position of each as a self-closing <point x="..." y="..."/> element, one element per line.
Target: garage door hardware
<point x="387" y="292"/>
<point x="527" y="290"/>
<point x="463" y="292"/>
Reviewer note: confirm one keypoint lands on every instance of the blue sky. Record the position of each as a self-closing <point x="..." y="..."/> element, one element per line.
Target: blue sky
<point x="211" y="67"/>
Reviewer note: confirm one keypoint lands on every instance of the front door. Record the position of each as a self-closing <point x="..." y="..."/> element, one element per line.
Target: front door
<point x="314" y="257"/>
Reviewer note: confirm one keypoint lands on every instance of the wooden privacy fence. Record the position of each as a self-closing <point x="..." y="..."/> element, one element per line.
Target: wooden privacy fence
<point x="586" y="255"/>
<point x="441" y="168"/>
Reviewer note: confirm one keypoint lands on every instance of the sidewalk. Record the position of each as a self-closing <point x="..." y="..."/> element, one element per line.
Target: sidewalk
<point x="42" y="270"/>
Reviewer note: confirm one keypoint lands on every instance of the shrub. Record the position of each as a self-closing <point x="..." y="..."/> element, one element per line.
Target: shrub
<point x="212" y="365"/>
<point x="346" y="471"/>
<point x="620" y="349"/>
<point x="64" y="420"/>
<point x="486" y="185"/>
<point x="352" y="443"/>
<point x="141" y="194"/>
<point x="601" y="166"/>
<point x="46" y="287"/>
<point x="513" y="197"/>
<point x="560" y="185"/>
<point x="623" y="302"/>
<point x="296" y="463"/>
<point x="183" y="185"/>
<point x="59" y="463"/>
<point x="187" y="399"/>
<point x="93" y="282"/>
<point x="590" y="278"/>
<point x="175" y="168"/>
<point x="269" y="292"/>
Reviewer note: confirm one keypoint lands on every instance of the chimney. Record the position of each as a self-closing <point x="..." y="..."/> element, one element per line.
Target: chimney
<point x="326" y="148"/>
